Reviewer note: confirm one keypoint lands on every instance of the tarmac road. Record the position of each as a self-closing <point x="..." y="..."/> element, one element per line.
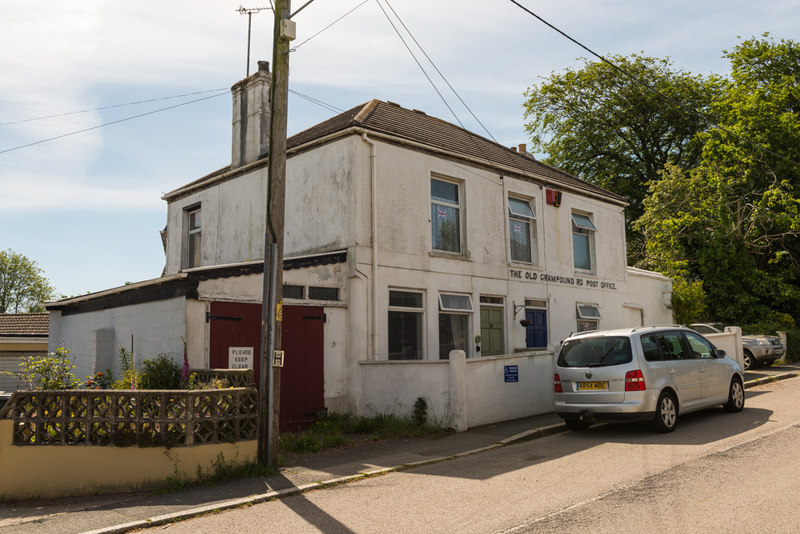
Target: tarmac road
<point x="717" y="472"/>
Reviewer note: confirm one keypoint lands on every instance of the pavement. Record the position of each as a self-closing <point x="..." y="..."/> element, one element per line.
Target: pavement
<point x="125" y="512"/>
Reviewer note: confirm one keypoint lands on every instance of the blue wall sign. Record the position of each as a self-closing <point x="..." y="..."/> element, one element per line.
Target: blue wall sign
<point x="511" y="373"/>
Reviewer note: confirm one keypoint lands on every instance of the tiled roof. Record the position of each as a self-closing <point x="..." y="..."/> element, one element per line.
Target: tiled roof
<point x="24" y="324"/>
<point x="418" y="127"/>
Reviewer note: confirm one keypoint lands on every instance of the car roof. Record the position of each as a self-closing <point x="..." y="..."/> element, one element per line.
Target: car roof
<point x="627" y="331"/>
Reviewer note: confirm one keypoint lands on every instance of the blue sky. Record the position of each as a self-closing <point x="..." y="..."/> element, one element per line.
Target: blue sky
<point x="87" y="207"/>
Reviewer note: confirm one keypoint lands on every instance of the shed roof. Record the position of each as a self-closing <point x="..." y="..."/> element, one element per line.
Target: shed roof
<point x="24" y="324"/>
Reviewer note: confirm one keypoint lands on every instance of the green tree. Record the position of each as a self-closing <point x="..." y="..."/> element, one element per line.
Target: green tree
<point x="23" y="288"/>
<point x="605" y="128"/>
<point x="688" y="301"/>
<point x="733" y="220"/>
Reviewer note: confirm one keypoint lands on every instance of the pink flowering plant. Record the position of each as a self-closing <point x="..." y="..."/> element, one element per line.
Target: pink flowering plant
<point x="99" y="380"/>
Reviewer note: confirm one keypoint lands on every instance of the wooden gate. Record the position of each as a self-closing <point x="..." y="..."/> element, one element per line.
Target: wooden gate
<point x="238" y="326"/>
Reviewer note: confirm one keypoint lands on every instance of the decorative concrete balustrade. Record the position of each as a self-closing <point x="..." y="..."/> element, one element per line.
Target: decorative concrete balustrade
<point x="171" y="418"/>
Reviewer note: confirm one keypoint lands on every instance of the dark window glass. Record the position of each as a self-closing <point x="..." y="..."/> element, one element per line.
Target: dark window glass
<point x="405" y="335"/>
<point x="453" y="334"/>
<point x="595" y="352"/>
<point x="292" y="292"/>
<point x="323" y="293"/>
<point x="672" y="347"/>
<point x="444" y="191"/>
<point x="650" y="348"/>
<point x="405" y="299"/>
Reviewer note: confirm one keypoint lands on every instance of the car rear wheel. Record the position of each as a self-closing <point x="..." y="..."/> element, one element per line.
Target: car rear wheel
<point x="749" y="361"/>
<point x="666" y="413"/>
<point x="735" y="396"/>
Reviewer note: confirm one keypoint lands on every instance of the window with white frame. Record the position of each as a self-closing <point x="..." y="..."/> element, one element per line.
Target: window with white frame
<point x="405" y="325"/>
<point x="193" y="237"/>
<point x="455" y="311"/>
<point x="583" y="231"/>
<point x="588" y="317"/>
<point x="445" y="216"/>
<point x="522" y="230"/>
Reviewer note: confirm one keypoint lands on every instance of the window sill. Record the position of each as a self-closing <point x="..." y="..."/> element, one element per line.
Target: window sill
<point x="463" y="256"/>
<point x="524" y="265"/>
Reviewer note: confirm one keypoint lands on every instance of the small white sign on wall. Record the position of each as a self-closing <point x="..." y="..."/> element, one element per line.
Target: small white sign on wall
<point x="240" y="357"/>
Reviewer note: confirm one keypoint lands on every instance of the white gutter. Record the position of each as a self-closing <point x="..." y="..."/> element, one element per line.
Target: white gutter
<point x="374" y="215"/>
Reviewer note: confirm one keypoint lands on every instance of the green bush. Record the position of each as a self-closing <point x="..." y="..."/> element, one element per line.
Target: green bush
<point x="160" y="373"/>
<point x="50" y="372"/>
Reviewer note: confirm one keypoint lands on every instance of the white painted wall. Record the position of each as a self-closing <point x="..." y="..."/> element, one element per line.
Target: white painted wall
<point x="157" y="328"/>
<point x="731" y="342"/>
<point x="491" y="399"/>
<point x="392" y="387"/>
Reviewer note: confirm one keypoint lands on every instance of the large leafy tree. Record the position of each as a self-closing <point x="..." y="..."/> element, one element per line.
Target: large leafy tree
<point x="23" y="288"/>
<point x="601" y="125"/>
<point x="733" y="220"/>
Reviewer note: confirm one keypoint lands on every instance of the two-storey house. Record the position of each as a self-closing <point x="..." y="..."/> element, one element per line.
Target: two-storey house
<point x="407" y="237"/>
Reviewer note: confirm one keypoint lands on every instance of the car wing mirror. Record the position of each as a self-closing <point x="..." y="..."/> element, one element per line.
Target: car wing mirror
<point x="720" y="353"/>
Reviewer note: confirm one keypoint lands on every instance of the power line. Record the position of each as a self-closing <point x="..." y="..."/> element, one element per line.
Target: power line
<point x="320" y="103"/>
<point x="111" y="107"/>
<point x="471" y="135"/>
<point x="440" y="72"/>
<point x="328" y="26"/>
<point x="636" y="80"/>
<point x="109" y="123"/>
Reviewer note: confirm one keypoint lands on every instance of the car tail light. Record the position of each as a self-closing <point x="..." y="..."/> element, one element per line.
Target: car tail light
<point x="557" y="383"/>
<point x="634" y="381"/>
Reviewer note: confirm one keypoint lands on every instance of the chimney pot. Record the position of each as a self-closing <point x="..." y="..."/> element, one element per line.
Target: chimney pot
<point x="513" y="149"/>
<point x="523" y="149"/>
<point x="263" y="66"/>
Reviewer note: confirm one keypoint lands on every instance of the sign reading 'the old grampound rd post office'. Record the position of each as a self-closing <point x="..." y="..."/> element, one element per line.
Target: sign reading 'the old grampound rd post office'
<point x="530" y="276"/>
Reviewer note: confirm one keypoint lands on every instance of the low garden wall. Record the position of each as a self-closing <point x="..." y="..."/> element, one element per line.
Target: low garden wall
<point x="73" y="442"/>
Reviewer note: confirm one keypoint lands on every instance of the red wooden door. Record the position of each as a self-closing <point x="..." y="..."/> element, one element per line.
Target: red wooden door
<point x="236" y="324"/>
<point x="302" y="378"/>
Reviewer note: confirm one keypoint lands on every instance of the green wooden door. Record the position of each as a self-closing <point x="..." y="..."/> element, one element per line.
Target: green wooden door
<point x="491" y="331"/>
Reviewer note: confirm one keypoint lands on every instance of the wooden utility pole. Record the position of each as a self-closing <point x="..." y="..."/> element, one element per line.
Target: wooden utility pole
<point x="270" y="379"/>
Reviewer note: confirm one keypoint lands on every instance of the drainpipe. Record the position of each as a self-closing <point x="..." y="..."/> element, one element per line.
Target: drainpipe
<point x="374" y="215"/>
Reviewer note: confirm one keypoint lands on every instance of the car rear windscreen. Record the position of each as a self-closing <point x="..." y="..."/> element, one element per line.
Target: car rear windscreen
<point x="595" y="352"/>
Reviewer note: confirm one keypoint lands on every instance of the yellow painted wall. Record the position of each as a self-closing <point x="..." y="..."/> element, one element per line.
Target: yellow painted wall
<point x="54" y="471"/>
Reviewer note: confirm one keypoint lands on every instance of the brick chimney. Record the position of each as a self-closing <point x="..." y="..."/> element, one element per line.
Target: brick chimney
<point x="251" y="112"/>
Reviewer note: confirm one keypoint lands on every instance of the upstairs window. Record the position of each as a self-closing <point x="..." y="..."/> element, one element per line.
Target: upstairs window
<point x="445" y="216"/>
<point x="193" y="238"/>
<point x="522" y="230"/>
<point x="583" y="231"/>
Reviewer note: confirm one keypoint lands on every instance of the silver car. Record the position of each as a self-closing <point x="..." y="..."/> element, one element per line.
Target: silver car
<point x="756" y="349"/>
<point x="642" y="374"/>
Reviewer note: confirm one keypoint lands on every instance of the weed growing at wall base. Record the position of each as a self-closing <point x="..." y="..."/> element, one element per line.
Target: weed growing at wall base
<point x="335" y="430"/>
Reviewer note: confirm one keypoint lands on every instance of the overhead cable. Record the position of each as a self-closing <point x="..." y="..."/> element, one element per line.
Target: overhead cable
<point x="669" y="99"/>
<point x="112" y="106"/>
<point x="109" y="123"/>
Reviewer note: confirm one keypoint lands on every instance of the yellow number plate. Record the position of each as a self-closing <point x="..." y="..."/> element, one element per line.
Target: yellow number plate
<point x="592" y="386"/>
